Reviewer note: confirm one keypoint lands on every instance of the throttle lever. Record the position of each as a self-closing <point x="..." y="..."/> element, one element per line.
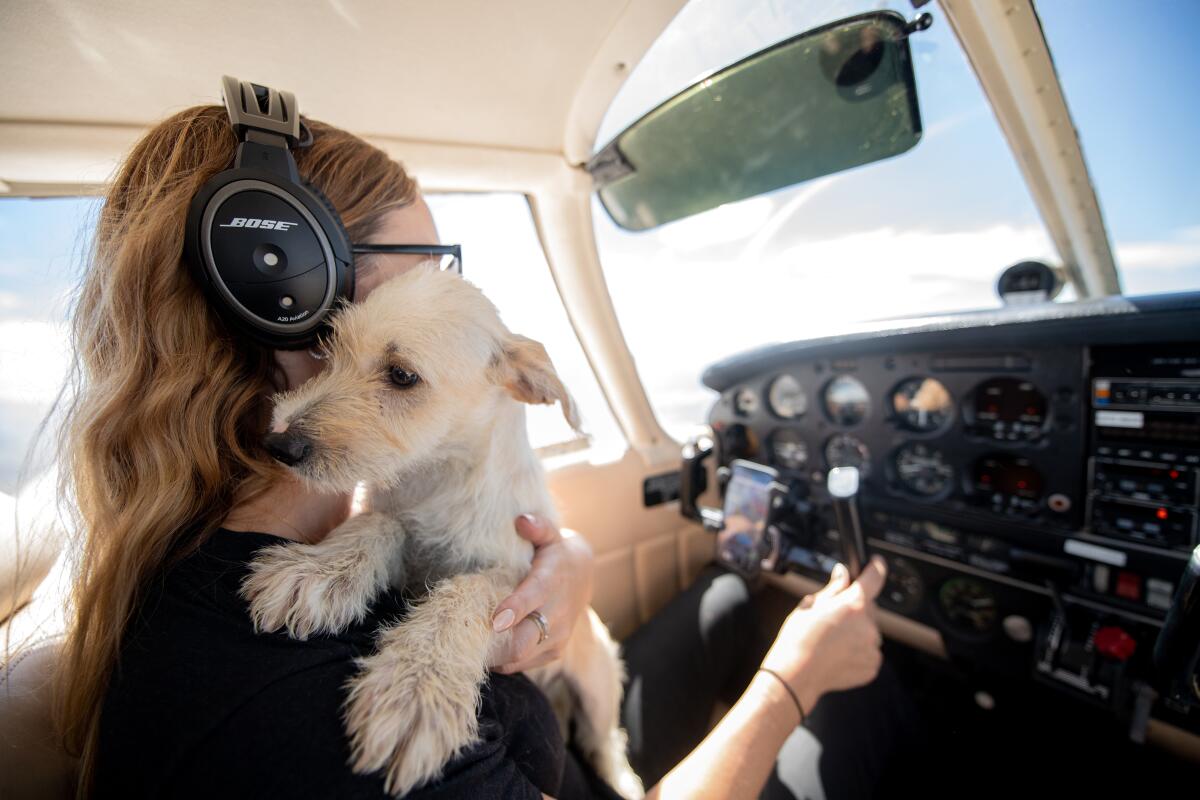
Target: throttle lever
<point x="842" y="484"/>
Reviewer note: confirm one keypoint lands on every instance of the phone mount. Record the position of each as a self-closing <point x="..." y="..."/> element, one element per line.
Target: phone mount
<point x="693" y="482"/>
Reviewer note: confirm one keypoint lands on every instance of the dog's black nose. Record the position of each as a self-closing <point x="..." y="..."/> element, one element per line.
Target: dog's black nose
<point x="289" y="447"/>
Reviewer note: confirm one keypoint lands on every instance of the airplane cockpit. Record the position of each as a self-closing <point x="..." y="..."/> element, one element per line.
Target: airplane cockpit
<point x="827" y="281"/>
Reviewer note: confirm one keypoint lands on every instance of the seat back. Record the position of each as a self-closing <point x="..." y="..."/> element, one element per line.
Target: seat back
<point x="34" y="582"/>
<point x="31" y="763"/>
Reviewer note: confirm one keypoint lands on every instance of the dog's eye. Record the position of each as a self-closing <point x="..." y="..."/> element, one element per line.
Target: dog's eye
<point x="403" y="378"/>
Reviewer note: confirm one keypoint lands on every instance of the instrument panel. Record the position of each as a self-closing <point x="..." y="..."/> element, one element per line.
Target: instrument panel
<point x="925" y="428"/>
<point x="1036" y="503"/>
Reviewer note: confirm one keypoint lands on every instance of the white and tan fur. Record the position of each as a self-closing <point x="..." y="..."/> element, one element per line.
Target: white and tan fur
<point x="448" y="467"/>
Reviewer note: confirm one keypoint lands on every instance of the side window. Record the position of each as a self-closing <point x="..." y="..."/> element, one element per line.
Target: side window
<point x="42" y="243"/>
<point x="503" y="256"/>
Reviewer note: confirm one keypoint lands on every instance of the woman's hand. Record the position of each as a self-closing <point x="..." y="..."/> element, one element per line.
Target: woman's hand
<point x="826" y="644"/>
<point x="559" y="585"/>
<point x="831" y="642"/>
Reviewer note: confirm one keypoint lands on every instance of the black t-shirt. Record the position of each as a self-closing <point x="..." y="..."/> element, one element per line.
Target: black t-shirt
<point x="202" y="706"/>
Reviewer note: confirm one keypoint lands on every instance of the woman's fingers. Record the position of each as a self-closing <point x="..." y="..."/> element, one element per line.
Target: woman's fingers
<point x="524" y="652"/>
<point x="538" y="659"/>
<point x="532" y="593"/>
<point x="871" y="580"/>
<point x="559" y="586"/>
<point x="522" y="645"/>
<point x="536" y="530"/>
<point x="839" y="579"/>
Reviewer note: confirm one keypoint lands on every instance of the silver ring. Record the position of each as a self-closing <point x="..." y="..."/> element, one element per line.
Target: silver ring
<point x="539" y="619"/>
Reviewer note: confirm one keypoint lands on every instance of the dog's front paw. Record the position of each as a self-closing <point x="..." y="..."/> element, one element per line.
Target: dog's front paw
<point x="408" y="719"/>
<point x="293" y="587"/>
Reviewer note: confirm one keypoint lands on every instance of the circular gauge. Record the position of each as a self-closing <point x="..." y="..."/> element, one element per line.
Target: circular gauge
<point x="968" y="606"/>
<point x="736" y="441"/>
<point x="1007" y="482"/>
<point x="904" y="588"/>
<point x="786" y="397"/>
<point x="846" y="400"/>
<point x="922" y="404"/>
<point x="1009" y="409"/>
<point x="923" y="470"/>
<point x="844" y="450"/>
<point x="788" y="449"/>
<point x="745" y="402"/>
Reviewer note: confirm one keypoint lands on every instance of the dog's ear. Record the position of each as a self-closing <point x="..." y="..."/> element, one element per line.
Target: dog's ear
<point x="525" y="370"/>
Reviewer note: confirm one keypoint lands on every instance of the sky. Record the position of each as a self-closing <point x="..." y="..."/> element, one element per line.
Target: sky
<point x="926" y="232"/>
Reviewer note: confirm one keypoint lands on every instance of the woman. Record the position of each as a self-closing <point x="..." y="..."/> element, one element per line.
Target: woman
<point x="164" y="689"/>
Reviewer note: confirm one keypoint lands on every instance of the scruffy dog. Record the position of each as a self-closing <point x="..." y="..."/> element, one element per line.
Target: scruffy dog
<point x="422" y="400"/>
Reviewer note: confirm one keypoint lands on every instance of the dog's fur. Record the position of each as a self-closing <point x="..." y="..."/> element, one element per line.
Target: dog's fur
<point x="448" y="467"/>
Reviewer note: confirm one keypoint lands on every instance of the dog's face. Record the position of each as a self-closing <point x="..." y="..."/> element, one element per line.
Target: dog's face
<point x="413" y="369"/>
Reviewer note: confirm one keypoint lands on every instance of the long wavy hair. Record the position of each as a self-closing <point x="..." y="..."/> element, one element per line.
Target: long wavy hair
<point x="167" y="406"/>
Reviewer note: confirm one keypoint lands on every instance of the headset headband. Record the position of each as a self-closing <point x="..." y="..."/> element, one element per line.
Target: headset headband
<point x="261" y="109"/>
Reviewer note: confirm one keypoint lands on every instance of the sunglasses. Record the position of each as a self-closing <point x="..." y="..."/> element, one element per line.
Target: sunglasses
<point x="447" y="256"/>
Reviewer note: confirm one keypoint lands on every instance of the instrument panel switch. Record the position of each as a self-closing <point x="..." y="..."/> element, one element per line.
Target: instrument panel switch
<point x="1129" y="586"/>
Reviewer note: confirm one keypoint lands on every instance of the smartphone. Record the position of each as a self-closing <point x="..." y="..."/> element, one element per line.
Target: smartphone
<point x="744" y="541"/>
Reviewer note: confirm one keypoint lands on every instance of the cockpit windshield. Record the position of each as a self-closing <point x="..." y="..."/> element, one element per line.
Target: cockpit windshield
<point x="926" y="232"/>
<point x="1128" y="81"/>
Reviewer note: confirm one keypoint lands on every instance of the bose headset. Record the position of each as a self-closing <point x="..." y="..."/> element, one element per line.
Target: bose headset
<point x="269" y="249"/>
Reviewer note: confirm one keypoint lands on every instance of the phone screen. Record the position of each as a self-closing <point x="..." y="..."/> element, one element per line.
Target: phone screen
<point x="741" y="544"/>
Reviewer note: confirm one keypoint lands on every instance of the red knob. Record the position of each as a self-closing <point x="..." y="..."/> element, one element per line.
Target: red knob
<point x="1114" y="643"/>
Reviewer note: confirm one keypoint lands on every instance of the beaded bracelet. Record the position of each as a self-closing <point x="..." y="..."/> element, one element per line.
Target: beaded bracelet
<point x="790" y="690"/>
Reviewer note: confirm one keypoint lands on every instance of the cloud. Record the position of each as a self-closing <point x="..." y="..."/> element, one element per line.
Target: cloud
<point x="20" y="422"/>
<point x="1180" y="252"/>
<point x="724" y="224"/>
<point x="682" y="311"/>
<point x="1164" y="265"/>
<point x="34" y="357"/>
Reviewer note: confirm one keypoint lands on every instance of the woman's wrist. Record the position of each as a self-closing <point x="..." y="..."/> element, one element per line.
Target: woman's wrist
<point x="773" y="698"/>
<point x="794" y="682"/>
<point x="790" y="692"/>
<point x="774" y="701"/>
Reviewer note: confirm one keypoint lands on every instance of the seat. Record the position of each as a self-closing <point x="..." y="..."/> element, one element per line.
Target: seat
<point x="34" y="580"/>
<point x="31" y="763"/>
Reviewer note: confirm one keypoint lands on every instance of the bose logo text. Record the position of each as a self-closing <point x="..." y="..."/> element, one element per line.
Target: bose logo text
<point x="265" y="224"/>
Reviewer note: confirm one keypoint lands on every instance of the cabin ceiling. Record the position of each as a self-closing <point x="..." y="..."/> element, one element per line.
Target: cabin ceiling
<point x="529" y="75"/>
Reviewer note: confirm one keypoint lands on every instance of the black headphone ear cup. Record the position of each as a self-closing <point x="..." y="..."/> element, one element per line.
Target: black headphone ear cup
<point x="333" y="212"/>
<point x="348" y="290"/>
